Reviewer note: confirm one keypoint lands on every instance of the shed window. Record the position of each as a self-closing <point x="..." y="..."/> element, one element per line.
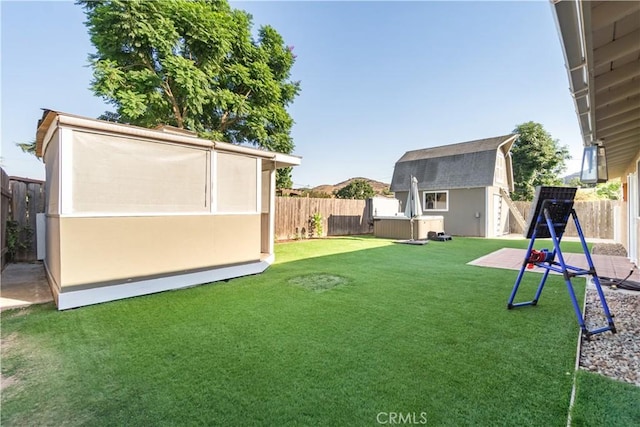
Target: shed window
<point x="237" y="178"/>
<point x="121" y="175"/>
<point x="436" y="201"/>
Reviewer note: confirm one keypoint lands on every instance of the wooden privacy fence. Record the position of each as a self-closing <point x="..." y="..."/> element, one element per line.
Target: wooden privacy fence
<point x="22" y="199"/>
<point x="345" y="216"/>
<point x="4" y="216"/>
<point x="340" y="217"/>
<point x="596" y="218"/>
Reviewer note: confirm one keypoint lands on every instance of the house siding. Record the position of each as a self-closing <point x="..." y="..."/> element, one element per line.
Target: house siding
<point x="461" y="219"/>
<point x="52" y="259"/>
<point x="118" y="249"/>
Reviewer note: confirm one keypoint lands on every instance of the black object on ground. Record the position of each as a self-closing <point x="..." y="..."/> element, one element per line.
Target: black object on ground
<point x="438" y="236"/>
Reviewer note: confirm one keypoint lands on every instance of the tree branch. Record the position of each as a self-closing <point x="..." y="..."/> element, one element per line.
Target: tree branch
<point x="225" y="121"/>
<point x="174" y="104"/>
<point x="166" y="87"/>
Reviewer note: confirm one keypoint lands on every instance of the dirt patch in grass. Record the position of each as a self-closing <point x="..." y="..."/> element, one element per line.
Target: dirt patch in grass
<point x="318" y="282"/>
<point x="21" y="360"/>
<point x="7" y="344"/>
<point x="28" y="369"/>
<point x="6" y="382"/>
<point x="10" y="313"/>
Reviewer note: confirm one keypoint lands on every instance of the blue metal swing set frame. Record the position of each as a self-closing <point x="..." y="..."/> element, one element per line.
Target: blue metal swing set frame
<point x="549" y="219"/>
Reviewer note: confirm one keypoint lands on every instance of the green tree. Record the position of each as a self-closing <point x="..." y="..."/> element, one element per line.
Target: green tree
<point x="538" y="159"/>
<point x="193" y="64"/>
<point x="357" y="189"/>
<point x="609" y="190"/>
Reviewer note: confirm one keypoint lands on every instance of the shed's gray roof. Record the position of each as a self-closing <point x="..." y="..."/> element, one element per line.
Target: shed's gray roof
<point x="463" y="165"/>
<point x="459" y="148"/>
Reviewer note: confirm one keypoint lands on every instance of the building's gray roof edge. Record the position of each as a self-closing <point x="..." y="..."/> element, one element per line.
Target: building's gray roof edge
<point x="478" y="145"/>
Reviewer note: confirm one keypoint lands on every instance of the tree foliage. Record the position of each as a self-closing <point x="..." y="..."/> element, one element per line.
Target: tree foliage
<point x="611" y="190"/>
<point x="315" y="194"/>
<point x="538" y="159"/>
<point x="357" y="189"/>
<point x="27" y="147"/>
<point x="193" y="64"/>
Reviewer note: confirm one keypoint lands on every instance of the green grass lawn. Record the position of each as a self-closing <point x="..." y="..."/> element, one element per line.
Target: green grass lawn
<point x="406" y="329"/>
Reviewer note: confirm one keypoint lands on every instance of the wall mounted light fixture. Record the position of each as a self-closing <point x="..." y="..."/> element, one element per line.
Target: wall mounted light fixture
<point x="594" y="164"/>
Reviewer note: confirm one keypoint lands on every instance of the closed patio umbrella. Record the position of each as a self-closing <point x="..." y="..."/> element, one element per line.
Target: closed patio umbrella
<point x="413" y="207"/>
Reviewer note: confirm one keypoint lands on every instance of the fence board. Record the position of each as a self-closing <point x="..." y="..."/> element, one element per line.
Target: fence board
<point x="596" y="218"/>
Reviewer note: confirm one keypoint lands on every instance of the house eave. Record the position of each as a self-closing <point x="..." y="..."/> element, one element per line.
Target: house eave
<point x="53" y="119"/>
<point x="600" y="45"/>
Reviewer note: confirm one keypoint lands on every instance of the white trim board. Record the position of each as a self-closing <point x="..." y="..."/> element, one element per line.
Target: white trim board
<point x="74" y="299"/>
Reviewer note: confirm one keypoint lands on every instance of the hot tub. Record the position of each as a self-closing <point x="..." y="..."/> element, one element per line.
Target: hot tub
<point x="399" y="227"/>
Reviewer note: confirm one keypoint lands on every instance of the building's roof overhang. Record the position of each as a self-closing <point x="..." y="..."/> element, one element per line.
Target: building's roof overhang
<point x="52" y="119"/>
<point x="476" y="146"/>
<point x="601" y="45"/>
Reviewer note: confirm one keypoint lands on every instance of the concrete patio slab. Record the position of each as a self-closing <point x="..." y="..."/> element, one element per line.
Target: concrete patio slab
<point x="24" y="284"/>
<point x="606" y="265"/>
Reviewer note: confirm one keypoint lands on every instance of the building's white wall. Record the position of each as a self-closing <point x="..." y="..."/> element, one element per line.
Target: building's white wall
<point x="51" y="160"/>
<point x="630" y="214"/>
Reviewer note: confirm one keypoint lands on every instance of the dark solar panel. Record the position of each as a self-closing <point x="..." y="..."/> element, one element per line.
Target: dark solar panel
<point x="559" y="202"/>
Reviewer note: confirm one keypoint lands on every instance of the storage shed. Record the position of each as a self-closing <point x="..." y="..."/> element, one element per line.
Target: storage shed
<point x="467" y="183"/>
<point x="133" y="211"/>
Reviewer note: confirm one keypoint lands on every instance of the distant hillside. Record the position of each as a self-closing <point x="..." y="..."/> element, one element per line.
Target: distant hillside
<point x="380" y="188"/>
<point x="567" y="179"/>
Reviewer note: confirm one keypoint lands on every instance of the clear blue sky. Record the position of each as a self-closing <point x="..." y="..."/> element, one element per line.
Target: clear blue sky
<point x="378" y="78"/>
